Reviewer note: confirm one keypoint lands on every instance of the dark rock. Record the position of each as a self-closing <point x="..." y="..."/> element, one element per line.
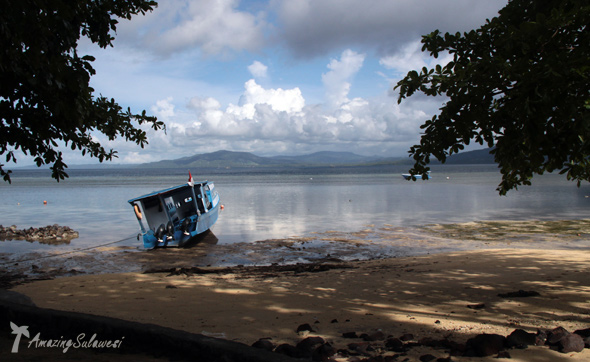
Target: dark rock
<point x="431" y="342"/>
<point x="540" y="338"/>
<point x="585" y="334"/>
<point x="556" y="335"/>
<point x="395" y="345"/>
<point x="485" y="345"/>
<point x="361" y="348"/>
<point x="264" y="343"/>
<point x="519" y="294"/>
<point x="51" y="234"/>
<point x="304" y="328"/>
<point x="427" y="358"/>
<point x="350" y="335"/>
<point x="571" y="343"/>
<point x="406" y="337"/>
<point x="323" y="352"/>
<point x="520" y="339"/>
<point x="375" y="336"/>
<point x="289" y="350"/>
<point x="456" y="349"/>
<point x="383" y="359"/>
<point x="307" y="345"/>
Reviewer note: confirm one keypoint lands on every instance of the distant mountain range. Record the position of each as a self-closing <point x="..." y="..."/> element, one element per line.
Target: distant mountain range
<point x="230" y="159"/>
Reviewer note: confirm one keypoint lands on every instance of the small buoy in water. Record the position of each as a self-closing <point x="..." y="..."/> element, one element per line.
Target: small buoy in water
<point x="222" y="207"/>
<point x="44" y="202"/>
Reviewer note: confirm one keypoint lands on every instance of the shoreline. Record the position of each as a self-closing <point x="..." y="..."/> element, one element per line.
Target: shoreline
<point x="371" y="242"/>
<point x="452" y="296"/>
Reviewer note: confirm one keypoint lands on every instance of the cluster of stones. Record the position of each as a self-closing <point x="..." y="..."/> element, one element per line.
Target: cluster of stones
<point x="378" y="346"/>
<point x="50" y="233"/>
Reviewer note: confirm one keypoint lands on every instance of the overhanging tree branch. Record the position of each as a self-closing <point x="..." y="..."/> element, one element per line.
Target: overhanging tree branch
<point x="520" y="84"/>
<point x="45" y="96"/>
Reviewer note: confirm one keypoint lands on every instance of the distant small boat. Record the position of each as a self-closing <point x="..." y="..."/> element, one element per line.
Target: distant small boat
<point x="408" y="176"/>
<point x="173" y="216"/>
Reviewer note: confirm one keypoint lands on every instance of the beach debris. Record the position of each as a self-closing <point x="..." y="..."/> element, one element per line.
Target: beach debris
<point x="51" y="234"/>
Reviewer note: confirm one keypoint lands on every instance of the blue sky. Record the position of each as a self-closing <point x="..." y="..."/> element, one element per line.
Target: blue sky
<point x="276" y="77"/>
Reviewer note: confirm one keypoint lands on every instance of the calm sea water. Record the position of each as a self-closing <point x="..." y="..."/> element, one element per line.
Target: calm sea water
<point x="266" y="206"/>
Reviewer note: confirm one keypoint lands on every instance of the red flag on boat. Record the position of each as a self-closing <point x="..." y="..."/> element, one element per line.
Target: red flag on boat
<point x="190" y="179"/>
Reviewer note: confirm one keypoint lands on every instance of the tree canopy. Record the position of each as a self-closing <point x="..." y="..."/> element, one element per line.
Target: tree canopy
<point x="46" y="101"/>
<point x="520" y="84"/>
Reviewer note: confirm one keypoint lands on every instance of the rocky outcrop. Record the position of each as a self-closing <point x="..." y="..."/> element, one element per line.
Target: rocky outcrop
<point x="51" y="234"/>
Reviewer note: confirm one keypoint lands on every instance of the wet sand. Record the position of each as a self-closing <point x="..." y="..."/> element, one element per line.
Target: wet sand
<point x="371" y="242"/>
<point x="428" y="296"/>
<point x="444" y="295"/>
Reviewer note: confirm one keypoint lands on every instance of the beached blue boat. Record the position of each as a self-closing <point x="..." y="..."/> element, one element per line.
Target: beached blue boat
<point x="408" y="176"/>
<point x="173" y="216"/>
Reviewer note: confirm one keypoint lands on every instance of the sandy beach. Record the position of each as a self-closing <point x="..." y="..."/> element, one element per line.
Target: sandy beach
<point x="450" y="296"/>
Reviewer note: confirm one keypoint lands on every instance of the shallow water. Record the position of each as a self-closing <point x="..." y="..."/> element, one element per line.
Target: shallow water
<point x="305" y="207"/>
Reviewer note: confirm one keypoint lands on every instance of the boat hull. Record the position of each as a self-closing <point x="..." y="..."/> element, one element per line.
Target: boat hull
<point x="198" y="225"/>
<point x="408" y="176"/>
<point x="174" y="216"/>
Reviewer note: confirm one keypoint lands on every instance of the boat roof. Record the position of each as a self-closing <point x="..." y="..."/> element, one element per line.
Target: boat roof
<point x="156" y="193"/>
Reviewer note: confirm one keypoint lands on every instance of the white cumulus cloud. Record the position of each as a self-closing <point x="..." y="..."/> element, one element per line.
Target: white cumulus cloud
<point x="258" y="70"/>
<point x="336" y="81"/>
<point x="271" y="120"/>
